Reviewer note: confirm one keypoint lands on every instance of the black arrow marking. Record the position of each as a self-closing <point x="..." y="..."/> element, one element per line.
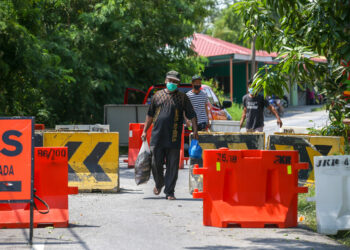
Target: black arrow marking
<point x="252" y="142"/>
<point x="323" y="149"/>
<point x="91" y="162"/>
<point x="72" y="147"/>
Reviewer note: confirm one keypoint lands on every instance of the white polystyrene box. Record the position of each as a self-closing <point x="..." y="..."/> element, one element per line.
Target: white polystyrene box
<point x="294" y="130"/>
<point x="224" y="126"/>
<point x="332" y="188"/>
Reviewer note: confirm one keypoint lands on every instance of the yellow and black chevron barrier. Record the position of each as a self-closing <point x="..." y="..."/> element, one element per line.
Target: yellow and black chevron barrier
<point x="93" y="159"/>
<point x="231" y="140"/>
<point x="308" y="147"/>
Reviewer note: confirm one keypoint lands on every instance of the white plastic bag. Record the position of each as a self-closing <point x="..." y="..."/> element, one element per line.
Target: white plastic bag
<point x="143" y="164"/>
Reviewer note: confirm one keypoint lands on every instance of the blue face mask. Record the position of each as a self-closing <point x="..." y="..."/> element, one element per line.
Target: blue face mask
<point x="171" y="86"/>
<point x="251" y="90"/>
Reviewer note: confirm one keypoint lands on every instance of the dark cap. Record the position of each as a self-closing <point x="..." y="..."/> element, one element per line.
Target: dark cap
<point x="196" y="77"/>
<point x="173" y="75"/>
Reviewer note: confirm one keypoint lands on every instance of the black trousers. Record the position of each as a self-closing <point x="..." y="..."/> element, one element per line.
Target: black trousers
<point x="171" y="157"/>
<point x="202" y="126"/>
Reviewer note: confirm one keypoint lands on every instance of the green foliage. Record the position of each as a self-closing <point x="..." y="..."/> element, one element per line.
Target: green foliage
<point x="298" y="30"/>
<point x="307" y="209"/>
<point x="235" y="111"/>
<point x="215" y="87"/>
<point x="62" y="60"/>
<point x="228" y="26"/>
<point x="318" y="109"/>
<point x="189" y="66"/>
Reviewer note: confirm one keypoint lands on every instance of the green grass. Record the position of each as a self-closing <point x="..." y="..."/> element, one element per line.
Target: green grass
<point x="318" y="109"/>
<point x="308" y="211"/>
<point x="235" y="111"/>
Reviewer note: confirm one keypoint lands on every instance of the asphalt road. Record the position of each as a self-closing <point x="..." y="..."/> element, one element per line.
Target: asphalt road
<point x="136" y="219"/>
<point x="300" y="116"/>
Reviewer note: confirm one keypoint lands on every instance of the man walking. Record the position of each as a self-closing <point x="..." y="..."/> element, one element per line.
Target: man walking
<point x="253" y="110"/>
<point x="199" y="102"/>
<point x="166" y="112"/>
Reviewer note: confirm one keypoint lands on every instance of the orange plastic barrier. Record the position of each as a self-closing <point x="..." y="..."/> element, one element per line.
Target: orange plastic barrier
<point x="250" y="188"/>
<point x="51" y="185"/>
<point x="135" y="142"/>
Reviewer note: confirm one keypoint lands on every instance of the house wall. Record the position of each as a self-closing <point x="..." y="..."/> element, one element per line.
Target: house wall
<point x="221" y="72"/>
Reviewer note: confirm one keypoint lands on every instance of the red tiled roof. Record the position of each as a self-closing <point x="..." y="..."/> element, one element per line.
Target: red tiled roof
<point x="207" y="46"/>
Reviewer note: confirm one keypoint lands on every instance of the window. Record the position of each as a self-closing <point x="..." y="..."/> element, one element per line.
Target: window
<point x="136" y="97"/>
<point x="212" y="97"/>
<point x="215" y="99"/>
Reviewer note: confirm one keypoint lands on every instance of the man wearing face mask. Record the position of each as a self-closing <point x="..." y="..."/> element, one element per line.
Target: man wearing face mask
<point x="166" y="112"/>
<point x="199" y="102"/>
<point x="253" y="110"/>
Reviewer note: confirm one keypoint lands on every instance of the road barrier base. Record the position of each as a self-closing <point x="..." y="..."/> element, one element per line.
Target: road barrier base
<point x="250" y="188"/>
<point x="215" y="140"/>
<point x="51" y="185"/>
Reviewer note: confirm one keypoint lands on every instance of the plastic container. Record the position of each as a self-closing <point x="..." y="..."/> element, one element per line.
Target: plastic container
<point x="224" y="126"/>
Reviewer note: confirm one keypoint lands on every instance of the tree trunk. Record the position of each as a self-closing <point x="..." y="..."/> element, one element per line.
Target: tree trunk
<point x="253" y="57"/>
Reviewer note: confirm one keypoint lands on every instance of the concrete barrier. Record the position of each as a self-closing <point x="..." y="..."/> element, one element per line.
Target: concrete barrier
<point x="93" y="159"/>
<point x="308" y="147"/>
<point x="216" y="140"/>
<point x="94" y="128"/>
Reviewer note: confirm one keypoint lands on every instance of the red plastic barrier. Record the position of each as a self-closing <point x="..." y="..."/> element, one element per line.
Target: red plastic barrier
<point x="51" y="184"/>
<point x="250" y="188"/>
<point x="39" y="126"/>
<point x="135" y="143"/>
<point x="182" y="151"/>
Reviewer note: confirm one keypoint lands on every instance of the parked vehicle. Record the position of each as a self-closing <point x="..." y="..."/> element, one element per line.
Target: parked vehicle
<point x="285" y="102"/>
<point x="133" y="96"/>
<point x="277" y="104"/>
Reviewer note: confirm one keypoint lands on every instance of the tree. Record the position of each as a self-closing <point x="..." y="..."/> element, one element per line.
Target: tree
<point x="298" y="31"/>
<point x="228" y="26"/>
<point x="62" y="60"/>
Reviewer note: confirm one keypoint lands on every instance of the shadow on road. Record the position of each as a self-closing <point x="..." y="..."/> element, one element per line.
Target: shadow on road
<point x="177" y="199"/>
<point x="214" y="247"/>
<point x="293" y="243"/>
<point x="83" y="226"/>
<point x="126" y="173"/>
<point x="130" y="191"/>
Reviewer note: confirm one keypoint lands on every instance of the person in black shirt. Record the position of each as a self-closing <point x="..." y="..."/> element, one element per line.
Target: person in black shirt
<point x="166" y="112"/>
<point x="253" y="110"/>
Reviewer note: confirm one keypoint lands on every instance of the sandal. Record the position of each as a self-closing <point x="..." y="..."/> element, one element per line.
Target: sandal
<point x="171" y="197"/>
<point x="156" y="190"/>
